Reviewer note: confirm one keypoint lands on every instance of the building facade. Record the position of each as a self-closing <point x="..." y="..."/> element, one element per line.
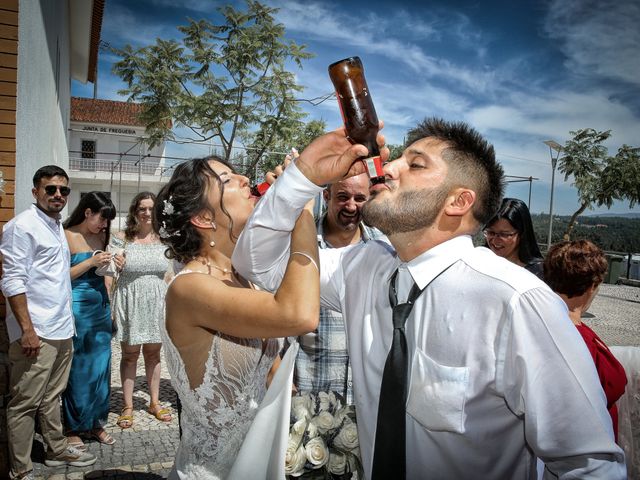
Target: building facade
<point x="108" y="153"/>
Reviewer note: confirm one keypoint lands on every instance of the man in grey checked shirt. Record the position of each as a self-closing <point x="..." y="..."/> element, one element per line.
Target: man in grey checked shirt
<point x="322" y="364"/>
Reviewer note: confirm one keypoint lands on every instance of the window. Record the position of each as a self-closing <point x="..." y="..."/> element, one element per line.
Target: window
<point x="88" y="155"/>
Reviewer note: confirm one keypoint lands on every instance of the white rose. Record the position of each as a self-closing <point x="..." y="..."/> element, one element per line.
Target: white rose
<point x="353" y="465"/>
<point x="301" y="407"/>
<point x="347" y="438"/>
<point x="345" y="414"/>
<point x="311" y="402"/>
<point x="324" y="421"/>
<point x="356" y="453"/>
<point x="299" y="427"/>
<point x="324" y="401"/>
<point x="335" y="403"/>
<point x="337" y="463"/>
<point x="294" y="459"/>
<point x="312" y="430"/>
<point x="317" y="452"/>
<point x="347" y="411"/>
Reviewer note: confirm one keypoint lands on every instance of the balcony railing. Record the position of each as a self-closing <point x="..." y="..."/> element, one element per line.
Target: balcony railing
<point x="142" y="167"/>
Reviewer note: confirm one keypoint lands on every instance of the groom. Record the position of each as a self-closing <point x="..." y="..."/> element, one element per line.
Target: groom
<point x="496" y="373"/>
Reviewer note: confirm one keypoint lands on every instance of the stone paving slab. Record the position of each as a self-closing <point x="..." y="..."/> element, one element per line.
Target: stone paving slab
<point x="146" y="451"/>
<point x="615" y="315"/>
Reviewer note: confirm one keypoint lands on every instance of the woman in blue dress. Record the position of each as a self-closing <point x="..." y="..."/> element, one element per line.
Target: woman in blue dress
<point x="85" y="402"/>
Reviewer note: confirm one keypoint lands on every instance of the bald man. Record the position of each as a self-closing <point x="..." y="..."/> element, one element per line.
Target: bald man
<point x="322" y="364"/>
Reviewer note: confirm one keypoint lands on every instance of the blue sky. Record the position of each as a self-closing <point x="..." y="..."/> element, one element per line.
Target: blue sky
<point x="520" y="72"/>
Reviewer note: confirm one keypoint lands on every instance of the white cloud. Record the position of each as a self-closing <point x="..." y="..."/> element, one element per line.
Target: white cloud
<point x="598" y="36"/>
<point x="122" y="25"/>
<point x="556" y="114"/>
<point x="376" y="35"/>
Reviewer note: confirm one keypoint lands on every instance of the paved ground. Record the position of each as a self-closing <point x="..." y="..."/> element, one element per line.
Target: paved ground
<point x="616" y="315"/>
<point x="146" y="450"/>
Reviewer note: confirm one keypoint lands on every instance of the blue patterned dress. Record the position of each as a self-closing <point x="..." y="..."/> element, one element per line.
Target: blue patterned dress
<point x="85" y="402"/>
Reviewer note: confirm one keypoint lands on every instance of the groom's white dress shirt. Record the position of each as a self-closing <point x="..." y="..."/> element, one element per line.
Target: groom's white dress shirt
<point x="498" y="373"/>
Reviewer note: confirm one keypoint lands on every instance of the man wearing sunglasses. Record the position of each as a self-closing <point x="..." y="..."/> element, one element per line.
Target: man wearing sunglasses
<point x="37" y="284"/>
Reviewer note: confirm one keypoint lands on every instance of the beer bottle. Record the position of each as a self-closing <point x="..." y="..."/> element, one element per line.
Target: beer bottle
<point x="358" y="113"/>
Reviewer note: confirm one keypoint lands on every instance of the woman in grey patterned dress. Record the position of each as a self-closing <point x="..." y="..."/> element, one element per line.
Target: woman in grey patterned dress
<point x="138" y="305"/>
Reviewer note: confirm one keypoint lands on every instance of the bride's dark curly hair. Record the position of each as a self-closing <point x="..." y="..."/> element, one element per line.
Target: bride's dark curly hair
<point x="184" y="197"/>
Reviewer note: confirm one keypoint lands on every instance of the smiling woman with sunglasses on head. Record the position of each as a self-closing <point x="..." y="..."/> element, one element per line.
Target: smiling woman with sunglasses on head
<point x="86" y="400"/>
<point x="510" y="235"/>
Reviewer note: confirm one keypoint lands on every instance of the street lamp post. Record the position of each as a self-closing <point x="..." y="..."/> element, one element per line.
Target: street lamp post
<point x="553" y="145"/>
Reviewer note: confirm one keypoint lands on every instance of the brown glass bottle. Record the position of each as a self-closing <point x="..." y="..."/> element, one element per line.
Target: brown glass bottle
<point x="358" y="113"/>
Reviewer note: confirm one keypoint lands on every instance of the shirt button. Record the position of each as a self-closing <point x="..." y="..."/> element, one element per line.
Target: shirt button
<point x="350" y="384"/>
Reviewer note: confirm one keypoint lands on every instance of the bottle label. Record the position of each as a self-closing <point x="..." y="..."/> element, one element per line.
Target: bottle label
<point x="374" y="166"/>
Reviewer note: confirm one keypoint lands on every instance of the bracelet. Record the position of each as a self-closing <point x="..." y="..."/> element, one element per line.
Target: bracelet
<point x="308" y="256"/>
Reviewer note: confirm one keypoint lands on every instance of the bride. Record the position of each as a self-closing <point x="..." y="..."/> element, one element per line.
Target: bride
<point x="220" y="332"/>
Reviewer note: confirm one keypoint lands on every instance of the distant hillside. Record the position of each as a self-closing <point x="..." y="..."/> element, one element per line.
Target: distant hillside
<point x="622" y="215"/>
<point x="611" y="233"/>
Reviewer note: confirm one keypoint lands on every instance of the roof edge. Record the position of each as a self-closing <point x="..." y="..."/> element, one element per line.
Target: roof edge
<point x="94" y="46"/>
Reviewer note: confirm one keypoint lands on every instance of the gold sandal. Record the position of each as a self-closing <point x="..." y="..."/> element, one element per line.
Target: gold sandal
<point x="162" y="414"/>
<point x="125" y="421"/>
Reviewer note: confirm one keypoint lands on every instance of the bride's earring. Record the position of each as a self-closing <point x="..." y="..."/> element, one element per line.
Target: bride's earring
<point x="214" y="226"/>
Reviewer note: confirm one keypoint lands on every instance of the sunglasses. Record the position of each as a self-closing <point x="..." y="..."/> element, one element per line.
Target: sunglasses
<point x="51" y="190"/>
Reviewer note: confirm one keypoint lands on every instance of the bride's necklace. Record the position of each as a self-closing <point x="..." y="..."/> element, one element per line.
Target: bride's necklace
<point x="207" y="263"/>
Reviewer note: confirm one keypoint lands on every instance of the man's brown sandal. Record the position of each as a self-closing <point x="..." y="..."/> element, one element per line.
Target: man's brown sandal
<point x="125" y="421"/>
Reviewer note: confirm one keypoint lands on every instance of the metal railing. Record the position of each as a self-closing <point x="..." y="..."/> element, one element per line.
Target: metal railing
<point x="142" y="166"/>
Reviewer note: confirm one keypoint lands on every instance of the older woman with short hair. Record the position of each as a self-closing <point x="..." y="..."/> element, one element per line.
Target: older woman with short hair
<point x="575" y="270"/>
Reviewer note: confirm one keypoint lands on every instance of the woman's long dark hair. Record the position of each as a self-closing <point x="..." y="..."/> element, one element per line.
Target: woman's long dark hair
<point x="182" y="198"/>
<point x="131" y="223"/>
<point x="98" y="202"/>
<point x="517" y="214"/>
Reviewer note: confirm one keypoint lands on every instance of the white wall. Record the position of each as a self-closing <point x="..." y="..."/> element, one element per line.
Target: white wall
<point x="42" y="110"/>
<point x="108" y="145"/>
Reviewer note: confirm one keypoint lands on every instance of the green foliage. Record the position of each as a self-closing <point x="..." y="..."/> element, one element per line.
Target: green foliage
<point x="293" y="134"/>
<point x="395" y="151"/>
<point x="617" y="234"/>
<point x="223" y="81"/>
<point x="599" y="178"/>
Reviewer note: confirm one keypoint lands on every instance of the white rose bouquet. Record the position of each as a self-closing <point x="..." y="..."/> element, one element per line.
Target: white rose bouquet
<point x="323" y="439"/>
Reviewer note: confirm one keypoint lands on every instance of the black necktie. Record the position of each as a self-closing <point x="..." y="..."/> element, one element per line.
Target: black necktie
<point x="389" y="457"/>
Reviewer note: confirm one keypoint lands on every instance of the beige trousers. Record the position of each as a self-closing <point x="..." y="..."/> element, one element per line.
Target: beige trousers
<point x="35" y="388"/>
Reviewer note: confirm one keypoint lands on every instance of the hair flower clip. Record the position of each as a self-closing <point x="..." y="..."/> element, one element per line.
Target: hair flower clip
<point x="168" y="206"/>
<point x="165" y="234"/>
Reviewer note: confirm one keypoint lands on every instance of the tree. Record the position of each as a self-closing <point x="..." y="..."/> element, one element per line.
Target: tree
<point x="292" y="134"/>
<point x="395" y="151"/>
<point x="222" y="82"/>
<point x="599" y="178"/>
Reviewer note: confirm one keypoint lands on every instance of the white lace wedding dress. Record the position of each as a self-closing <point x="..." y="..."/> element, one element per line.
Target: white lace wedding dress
<point x="217" y="414"/>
